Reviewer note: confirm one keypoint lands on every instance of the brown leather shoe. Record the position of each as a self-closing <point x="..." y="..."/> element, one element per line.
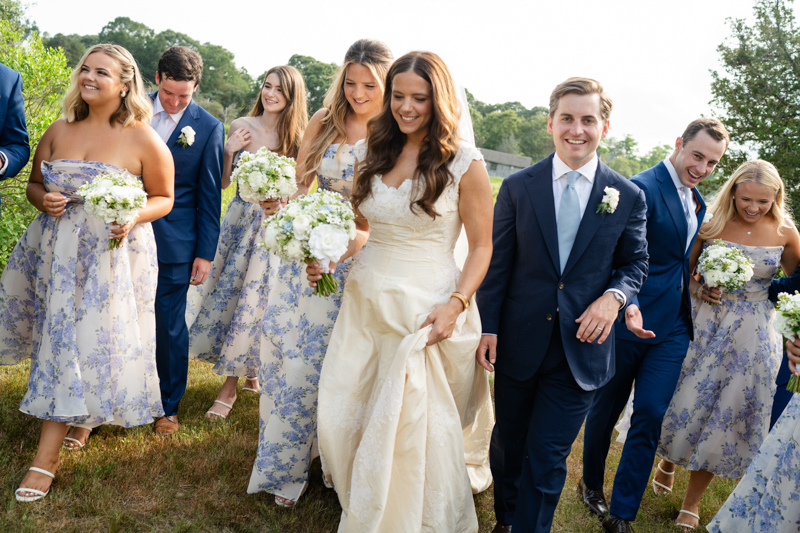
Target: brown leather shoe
<point x="500" y="528"/>
<point x="166" y="426"/>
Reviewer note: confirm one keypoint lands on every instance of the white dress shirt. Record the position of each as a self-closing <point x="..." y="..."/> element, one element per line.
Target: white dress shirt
<point x="4" y="160"/>
<point x="165" y="130"/>
<point x="686" y="195"/>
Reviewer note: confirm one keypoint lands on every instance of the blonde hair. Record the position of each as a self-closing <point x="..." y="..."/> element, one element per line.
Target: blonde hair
<point x="581" y="86"/>
<point x="370" y="53"/>
<point x="724" y="205"/>
<point x="294" y="116"/>
<point x="135" y="106"/>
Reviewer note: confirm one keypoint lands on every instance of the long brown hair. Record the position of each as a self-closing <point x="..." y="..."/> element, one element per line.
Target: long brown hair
<point x="370" y="53"/>
<point x="385" y="141"/>
<point x="294" y="116"/>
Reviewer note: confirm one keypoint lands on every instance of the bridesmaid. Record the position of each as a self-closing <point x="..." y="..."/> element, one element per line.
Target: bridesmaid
<point x="84" y="314"/>
<point x="297" y="324"/>
<point x="229" y="306"/>
<point x="720" y="411"/>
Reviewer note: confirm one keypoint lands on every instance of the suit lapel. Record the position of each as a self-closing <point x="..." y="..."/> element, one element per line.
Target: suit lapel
<point x="673" y="202"/>
<point x="189" y="118"/>
<point x="540" y="190"/>
<point x="591" y="219"/>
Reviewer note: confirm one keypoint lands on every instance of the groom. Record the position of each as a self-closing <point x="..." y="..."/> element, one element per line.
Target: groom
<point x="187" y="237"/>
<point x="653" y="359"/>
<point x="569" y="253"/>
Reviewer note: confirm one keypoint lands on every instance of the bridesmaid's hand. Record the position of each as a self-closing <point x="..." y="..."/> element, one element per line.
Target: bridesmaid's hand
<point x="120" y="232"/>
<point x="237" y="140"/>
<point x="711" y="295"/>
<point x="443" y="319"/>
<point x="272" y="206"/>
<point x="793" y="353"/>
<point x="314" y="273"/>
<point x="55" y="204"/>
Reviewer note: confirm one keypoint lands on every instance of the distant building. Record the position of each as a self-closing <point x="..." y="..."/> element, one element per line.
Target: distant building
<point x="502" y="164"/>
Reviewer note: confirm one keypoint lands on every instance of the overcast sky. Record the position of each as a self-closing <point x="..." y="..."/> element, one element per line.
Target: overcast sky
<point x="652" y="57"/>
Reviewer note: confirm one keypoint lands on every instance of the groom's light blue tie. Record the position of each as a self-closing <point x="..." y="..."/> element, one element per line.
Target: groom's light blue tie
<point x="569" y="218"/>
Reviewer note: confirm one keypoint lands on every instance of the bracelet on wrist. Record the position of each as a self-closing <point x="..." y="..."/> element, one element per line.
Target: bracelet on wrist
<point x="463" y="299"/>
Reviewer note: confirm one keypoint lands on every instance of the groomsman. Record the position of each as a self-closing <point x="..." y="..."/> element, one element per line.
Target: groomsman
<point x="187" y="237"/>
<point x="14" y="147"/>
<point x="653" y="341"/>
<point x="569" y="252"/>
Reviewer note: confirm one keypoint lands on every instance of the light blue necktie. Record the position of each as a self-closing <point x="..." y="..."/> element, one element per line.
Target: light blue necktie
<point x="161" y="127"/>
<point x="569" y="218"/>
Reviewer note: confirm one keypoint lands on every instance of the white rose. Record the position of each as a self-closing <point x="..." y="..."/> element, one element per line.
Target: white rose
<point x="287" y="170"/>
<point x="301" y="226"/>
<point x="611" y="197"/>
<point x="271" y="238"/>
<point x="294" y="249"/>
<point x="328" y="242"/>
<point x="351" y="229"/>
<point x="707" y="218"/>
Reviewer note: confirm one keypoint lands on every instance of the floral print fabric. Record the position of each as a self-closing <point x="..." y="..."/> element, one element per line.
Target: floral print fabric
<point x="83" y="314"/>
<point x="720" y="412"/>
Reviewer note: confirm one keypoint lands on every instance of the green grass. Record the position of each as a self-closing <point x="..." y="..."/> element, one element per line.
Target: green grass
<point x="131" y="481"/>
<point x="496" y="182"/>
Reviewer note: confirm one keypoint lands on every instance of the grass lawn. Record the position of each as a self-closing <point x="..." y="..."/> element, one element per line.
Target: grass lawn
<point x="130" y="481"/>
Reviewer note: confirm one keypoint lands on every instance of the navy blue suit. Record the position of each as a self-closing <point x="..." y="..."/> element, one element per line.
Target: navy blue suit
<point x="189" y="231"/>
<point x="13" y="132"/>
<point x="654" y="364"/>
<point x="782" y="396"/>
<point x="546" y="377"/>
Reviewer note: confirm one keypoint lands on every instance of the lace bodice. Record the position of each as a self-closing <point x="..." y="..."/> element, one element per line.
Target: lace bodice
<point x="335" y="172"/>
<point x="66" y="175"/>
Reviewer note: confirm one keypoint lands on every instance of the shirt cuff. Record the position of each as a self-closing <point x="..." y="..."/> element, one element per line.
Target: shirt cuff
<point x="622" y="294"/>
<point x="3" y="168"/>
<point x="493" y="334"/>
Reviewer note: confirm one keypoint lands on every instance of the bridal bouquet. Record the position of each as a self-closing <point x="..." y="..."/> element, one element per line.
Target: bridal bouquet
<point x="113" y="198"/>
<point x="264" y="175"/>
<point x="787" y="323"/>
<point x="313" y="227"/>
<point x="724" y="266"/>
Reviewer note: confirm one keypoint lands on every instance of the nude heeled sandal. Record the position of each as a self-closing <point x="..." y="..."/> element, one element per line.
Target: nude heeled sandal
<point x="248" y="378"/>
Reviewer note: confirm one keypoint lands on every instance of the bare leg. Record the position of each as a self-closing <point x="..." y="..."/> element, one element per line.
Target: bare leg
<point x="663" y="478"/>
<point x="227" y="394"/>
<point x="50" y="440"/>
<point x="698" y="483"/>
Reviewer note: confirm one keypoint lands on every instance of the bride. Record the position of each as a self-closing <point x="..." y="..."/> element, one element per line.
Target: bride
<point x="405" y="414"/>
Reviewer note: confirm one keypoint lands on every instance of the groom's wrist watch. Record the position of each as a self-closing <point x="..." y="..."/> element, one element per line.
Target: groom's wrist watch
<point x="619" y="297"/>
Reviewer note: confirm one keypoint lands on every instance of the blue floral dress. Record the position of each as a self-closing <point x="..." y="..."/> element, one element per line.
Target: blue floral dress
<point x="297" y="327"/>
<point x="720" y="412"/>
<point x="83" y="314"/>
<point x="225" y="313"/>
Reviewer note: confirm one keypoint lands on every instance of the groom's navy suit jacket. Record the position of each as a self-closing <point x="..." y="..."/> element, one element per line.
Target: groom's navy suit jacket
<point x="524" y="293"/>
<point x="663" y="295"/>
<point x="13" y="132"/>
<point x="191" y="229"/>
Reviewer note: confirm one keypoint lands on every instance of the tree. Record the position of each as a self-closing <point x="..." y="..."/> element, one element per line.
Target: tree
<point x="759" y="91"/>
<point x="45" y="77"/>
<point x="317" y="76"/>
<point x="74" y="45"/>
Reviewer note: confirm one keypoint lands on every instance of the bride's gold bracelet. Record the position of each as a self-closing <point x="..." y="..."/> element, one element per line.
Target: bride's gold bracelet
<point x="464" y="300"/>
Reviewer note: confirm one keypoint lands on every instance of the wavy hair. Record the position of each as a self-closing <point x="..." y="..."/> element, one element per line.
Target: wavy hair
<point x="135" y="106"/>
<point x="370" y="53"/>
<point x="294" y="117"/>
<point x="724" y="205"/>
<point x="385" y="141"/>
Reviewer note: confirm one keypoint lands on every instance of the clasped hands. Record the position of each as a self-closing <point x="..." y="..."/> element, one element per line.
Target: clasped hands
<point x="793" y="353"/>
<point x="55" y="205"/>
<point x="272" y="206"/>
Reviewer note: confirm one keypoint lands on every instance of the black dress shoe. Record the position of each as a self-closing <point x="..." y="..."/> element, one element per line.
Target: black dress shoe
<point x="614" y="524"/>
<point x="500" y="528"/>
<point x="593" y="499"/>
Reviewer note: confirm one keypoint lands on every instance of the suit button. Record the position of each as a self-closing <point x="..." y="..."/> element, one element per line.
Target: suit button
<point x="678" y="287"/>
<point x="560" y="285"/>
<point x="549" y="317"/>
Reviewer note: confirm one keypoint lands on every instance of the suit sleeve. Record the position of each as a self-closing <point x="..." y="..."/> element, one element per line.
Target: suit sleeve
<point x="630" y="257"/>
<point x="786" y="284"/>
<point x="649" y="204"/>
<point x="492" y="291"/>
<point x="209" y="194"/>
<point x="14" y="135"/>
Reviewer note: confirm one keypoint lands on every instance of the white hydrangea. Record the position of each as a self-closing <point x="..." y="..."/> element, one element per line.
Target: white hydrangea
<point x="264" y="175"/>
<point x="725" y="266"/>
<point x="113" y="198"/>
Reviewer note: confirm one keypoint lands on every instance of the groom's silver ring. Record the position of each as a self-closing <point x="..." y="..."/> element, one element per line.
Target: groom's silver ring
<point x="599" y="329"/>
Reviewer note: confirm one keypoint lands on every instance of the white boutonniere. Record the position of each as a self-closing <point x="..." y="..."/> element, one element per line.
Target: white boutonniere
<point x="186" y="137"/>
<point x="708" y="217"/>
<point x="610" y="201"/>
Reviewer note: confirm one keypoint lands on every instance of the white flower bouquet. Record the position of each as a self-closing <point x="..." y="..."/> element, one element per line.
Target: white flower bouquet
<point x="724" y="266"/>
<point x="113" y="198"/>
<point x="787" y="323"/>
<point x="313" y="227"/>
<point x="264" y="175"/>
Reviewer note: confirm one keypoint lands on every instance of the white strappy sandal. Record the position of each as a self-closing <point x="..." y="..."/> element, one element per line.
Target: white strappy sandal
<point x="687" y="525"/>
<point x="248" y="378"/>
<point x="665" y="489"/>
<point x="38" y="495"/>
<point x="210" y="412"/>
